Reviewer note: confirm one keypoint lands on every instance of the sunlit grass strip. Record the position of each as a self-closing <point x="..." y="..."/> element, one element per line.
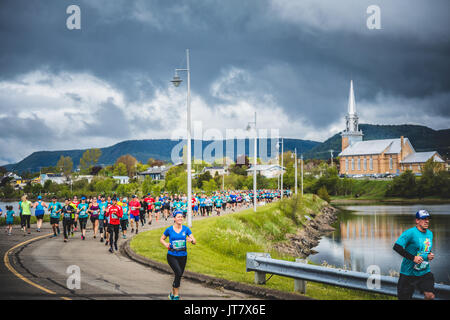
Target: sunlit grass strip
<point x="224" y="241"/>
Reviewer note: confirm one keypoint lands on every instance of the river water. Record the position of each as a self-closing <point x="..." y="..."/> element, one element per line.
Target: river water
<point x="365" y="235"/>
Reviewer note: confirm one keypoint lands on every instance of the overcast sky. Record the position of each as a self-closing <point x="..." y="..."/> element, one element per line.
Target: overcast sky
<point x="290" y="61"/>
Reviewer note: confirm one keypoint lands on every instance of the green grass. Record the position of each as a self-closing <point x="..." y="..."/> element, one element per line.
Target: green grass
<point x="222" y="244"/>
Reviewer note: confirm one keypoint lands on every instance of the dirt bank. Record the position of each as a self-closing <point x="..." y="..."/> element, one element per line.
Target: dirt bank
<point x="301" y="243"/>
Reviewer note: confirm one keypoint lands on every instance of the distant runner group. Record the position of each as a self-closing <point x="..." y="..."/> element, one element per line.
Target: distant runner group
<point x="112" y="215"/>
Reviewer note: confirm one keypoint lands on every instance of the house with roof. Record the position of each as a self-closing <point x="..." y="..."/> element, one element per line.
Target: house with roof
<point x="392" y="156"/>
<point x="213" y="170"/>
<point x="156" y="173"/>
<point x="57" y="178"/>
<point x="267" y="170"/>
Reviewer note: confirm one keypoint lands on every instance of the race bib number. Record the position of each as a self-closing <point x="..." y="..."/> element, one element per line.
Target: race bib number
<point x="179" y="244"/>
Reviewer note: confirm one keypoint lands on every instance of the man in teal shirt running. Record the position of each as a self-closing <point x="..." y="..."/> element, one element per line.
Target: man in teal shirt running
<point x="415" y="245"/>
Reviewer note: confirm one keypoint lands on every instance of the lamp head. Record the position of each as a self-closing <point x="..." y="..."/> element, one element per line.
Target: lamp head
<point x="176" y="80"/>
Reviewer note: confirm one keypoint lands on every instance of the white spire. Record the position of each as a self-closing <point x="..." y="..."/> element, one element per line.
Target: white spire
<point x="351" y="100"/>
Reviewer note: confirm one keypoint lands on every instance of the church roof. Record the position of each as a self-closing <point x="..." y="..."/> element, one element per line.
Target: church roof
<point x="389" y="146"/>
<point x="421" y="157"/>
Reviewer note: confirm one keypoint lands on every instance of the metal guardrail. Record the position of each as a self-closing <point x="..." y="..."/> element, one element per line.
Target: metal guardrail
<point x="262" y="263"/>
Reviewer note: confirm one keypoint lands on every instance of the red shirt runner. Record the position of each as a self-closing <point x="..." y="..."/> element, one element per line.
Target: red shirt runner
<point x="136" y="205"/>
<point x="114" y="213"/>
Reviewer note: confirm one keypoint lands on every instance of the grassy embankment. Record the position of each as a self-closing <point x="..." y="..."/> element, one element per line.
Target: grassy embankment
<point x="224" y="241"/>
<point x="376" y="190"/>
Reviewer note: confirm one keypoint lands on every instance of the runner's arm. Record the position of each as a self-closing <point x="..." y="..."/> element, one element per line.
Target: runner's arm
<point x="163" y="242"/>
<point x="401" y="251"/>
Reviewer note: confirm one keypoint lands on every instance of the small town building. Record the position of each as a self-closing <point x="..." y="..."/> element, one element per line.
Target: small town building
<point x="156" y="173"/>
<point x="57" y="178"/>
<point x="213" y="170"/>
<point x="391" y="156"/>
<point x="267" y="170"/>
<point x="121" y="179"/>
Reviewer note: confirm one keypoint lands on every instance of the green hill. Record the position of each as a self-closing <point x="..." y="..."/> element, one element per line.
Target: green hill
<point x="142" y="150"/>
<point x="422" y="138"/>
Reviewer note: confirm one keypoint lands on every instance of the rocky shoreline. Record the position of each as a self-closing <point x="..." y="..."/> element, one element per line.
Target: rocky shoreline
<point x="301" y="243"/>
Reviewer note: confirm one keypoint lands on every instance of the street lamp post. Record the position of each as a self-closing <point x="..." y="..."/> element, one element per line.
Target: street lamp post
<point x="302" y="172"/>
<point x="176" y="82"/>
<point x="295" y="161"/>
<point x="254" y="162"/>
<point x="282" y="171"/>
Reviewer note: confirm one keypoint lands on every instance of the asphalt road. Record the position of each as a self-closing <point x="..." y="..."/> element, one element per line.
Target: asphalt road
<point x="38" y="270"/>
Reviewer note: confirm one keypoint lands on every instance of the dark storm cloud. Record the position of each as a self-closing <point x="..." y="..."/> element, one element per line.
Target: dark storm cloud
<point x="108" y="121"/>
<point x="306" y="66"/>
<point x="32" y="129"/>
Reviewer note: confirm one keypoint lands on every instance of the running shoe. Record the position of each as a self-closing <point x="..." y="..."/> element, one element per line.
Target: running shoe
<point x="72" y="234"/>
<point x="176" y="298"/>
<point x="65" y="240"/>
<point x="106" y="243"/>
<point x="115" y="246"/>
<point x="170" y="296"/>
<point x="137" y="231"/>
<point x="101" y="239"/>
<point x="132" y="230"/>
<point x="111" y="250"/>
<point x="124" y="236"/>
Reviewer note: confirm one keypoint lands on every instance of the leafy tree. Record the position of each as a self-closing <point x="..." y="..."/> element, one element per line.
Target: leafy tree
<point x="403" y="186"/>
<point x="95" y="170"/>
<point x="65" y="165"/>
<point x="120" y="169"/>
<point x="206" y="176"/>
<point x="130" y="163"/>
<point x="90" y="158"/>
<point x="209" y="186"/>
<point x="323" y="194"/>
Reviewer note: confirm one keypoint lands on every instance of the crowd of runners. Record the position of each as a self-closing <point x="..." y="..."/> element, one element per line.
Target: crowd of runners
<point x="74" y="214"/>
<point x="111" y="216"/>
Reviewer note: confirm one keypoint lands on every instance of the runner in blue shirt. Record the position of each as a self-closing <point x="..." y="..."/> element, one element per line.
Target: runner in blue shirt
<point x="124" y="218"/>
<point x="102" y="222"/>
<point x="83" y="216"/>
<point x="39" y="210"/>
<point x="9" y="218"/>
<point x="177" y="252"/>
<point x="55" y="213"/>
<point x="415" y="245"/>
<point x="202" y="204"/>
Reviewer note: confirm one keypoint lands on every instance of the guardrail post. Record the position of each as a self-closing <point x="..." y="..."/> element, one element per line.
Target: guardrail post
<point x="260" y="277"/>
<point x="300" y="285"/>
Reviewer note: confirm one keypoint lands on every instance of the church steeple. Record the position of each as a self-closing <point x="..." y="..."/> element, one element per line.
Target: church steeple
<point x="351" y="100"/>
<point x="352" y="133"/>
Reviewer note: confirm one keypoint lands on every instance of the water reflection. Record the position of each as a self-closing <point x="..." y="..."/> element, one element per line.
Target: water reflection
<point x="366" y="236"/>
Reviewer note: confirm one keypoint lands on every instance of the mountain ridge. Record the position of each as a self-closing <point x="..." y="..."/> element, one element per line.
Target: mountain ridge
<point x="421" y="137"/>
